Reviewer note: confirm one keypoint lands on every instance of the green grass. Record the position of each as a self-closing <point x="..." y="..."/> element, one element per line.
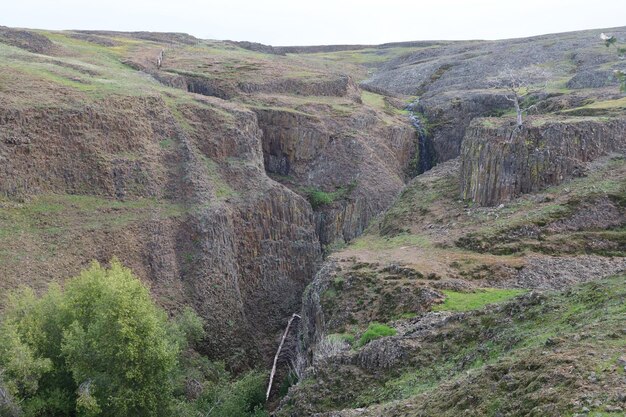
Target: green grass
<point x="375" y="242"/>
<point x="487" y="123"/>
<point x="366" y="56"/>
<point x="221" y="188"/>
<point x="52" y="214"/>
<point x="466" y="301"/>
<point x="319" y="198"/>
<point x="376" y="331"/>
<point x="417" y="200"/>
<point x="85" y="73"/>
<point x="406" y="316"/>
<point x="166" y="143"/>
<point x="522" y="340"/>
<point x="96" y="74"/>
<point x="343" y="337"/>
<point x="378" y="101"/>
<point x="373" y="100"/>
<point x="606" y="104"/>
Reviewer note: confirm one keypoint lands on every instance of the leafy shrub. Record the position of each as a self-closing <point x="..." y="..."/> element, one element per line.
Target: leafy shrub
<point x="224" y="396"/>
<point x="319" y="198"/>
<point x="8" y="408"/>
<point x="187" y="328"/>
<point x="100" y="347"/>
<point x="339" y="283"/>
<point x="376" y="331"/>
<point x="290" y="380"/>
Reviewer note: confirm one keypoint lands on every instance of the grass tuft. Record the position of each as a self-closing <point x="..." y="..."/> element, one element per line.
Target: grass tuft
<point x="376" y="331"/>
<point x="462" y="301"/>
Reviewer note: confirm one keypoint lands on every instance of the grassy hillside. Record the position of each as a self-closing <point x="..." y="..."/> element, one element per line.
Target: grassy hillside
<point x="558" y="353"/>
<point x="223" y="172"/>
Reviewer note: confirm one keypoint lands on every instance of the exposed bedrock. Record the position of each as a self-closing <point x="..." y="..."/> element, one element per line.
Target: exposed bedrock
<point x="337" y="86"/>
<point x="92" y="150"/>
<point x="449" y="116"/>
<point x="241" y="248"/>
<point x="500" y="163"/>
<point x="291" y="141"/>
<point x="193" y="84"/>
<point x="360" y="161"/>
<point x="250" y="265"/>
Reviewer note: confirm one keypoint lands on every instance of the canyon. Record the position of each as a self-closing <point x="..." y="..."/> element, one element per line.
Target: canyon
<point x="350" y="184"/>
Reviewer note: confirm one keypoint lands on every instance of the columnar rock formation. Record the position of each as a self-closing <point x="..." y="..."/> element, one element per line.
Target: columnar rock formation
<point x="500" y="163"/>
<point x="103" y="154"/>
<point x="243" y="253"/>
<point x="360" y="159"/>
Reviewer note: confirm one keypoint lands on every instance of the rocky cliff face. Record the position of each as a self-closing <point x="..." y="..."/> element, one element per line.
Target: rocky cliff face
<point x="501" y="163"/>
<point x="449" y="117"/>
<point x="222" y="173"/>
<point x="453" y="78"/>
<point x="105" y="153"/>
<point x="243" y="237"/>
<point x="360" y="160"/>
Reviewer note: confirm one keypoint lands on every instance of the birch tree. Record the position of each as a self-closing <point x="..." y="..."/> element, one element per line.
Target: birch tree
<point x="518" y="85"/>
<point x="610" y="40"/>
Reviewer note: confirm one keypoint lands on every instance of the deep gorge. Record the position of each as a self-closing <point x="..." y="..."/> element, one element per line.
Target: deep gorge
<point x="383" y="193"/>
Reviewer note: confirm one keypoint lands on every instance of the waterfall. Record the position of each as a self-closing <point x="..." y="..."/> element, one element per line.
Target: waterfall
<point x="425" y="156"/>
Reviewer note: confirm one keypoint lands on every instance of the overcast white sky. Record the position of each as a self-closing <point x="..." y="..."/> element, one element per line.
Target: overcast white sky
<point x="309" y="22"/>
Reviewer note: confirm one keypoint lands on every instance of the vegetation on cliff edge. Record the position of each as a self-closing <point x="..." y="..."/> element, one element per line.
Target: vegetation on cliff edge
<point x="101" y="347"/>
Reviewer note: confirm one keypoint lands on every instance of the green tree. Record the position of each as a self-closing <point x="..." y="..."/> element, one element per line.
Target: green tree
<point x="99" y="348"/>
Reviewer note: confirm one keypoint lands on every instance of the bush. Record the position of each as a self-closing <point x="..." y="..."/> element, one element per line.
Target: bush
<point x="187" y="328"/>
<point x="319" y="198"/>
<point x="290" y="380"/>
<point x="223" y="396"/>
<point x="8" y="408"/>
<point x="100" y="347"/>
<point x="376" y="331"/>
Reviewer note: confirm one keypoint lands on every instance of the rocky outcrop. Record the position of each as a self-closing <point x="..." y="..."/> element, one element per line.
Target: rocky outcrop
<point x="242" y="248"/>
<point x="336" y="86"/>
<point x="193" y="84"/>
<point x="171" y="38"/>
<point x="313" y="323"/>
<point x="360" y="161"/>
<point x="467" y="65"/>
<point x="593" y="79"/>
<point x="449" y="117"/>
<point x="500" y="163"/>
<point x="96" y="149"/>
<point x="176" y="185"/>
<point x="453" y="79"/>
<point x="25" y="39"/>
<point x="225" y="89"/>
<point x="257" y="47"/>
<point x="345" y="220"/>
<point x="291" y="141"/>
